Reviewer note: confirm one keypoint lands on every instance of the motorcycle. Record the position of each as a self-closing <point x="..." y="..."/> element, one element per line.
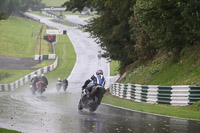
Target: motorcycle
<point x="58" y="85"/>
<point x="40" y="85"/>
<point x="92" y="101"/>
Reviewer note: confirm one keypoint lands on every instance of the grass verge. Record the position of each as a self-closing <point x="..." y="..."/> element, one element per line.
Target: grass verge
<point x="164" y="71"/>
<point x="7" y="131"/>
<point x="18" y="37"/>
<point x="9" y="75"/>
<point x="174" y="111"/>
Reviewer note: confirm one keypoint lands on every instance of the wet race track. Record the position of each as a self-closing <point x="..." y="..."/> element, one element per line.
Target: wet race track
<point x="57" y="112"/>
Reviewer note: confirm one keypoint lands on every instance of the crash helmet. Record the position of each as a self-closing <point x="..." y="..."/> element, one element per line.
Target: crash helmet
<point x="42" y="75"/>
<point x="59" y="79"/>
<point x="99" y="72"/>
<point x="35" y="75"/>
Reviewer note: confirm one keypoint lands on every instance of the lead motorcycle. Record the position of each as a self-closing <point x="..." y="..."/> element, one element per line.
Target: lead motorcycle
<point x="92" y="101"/>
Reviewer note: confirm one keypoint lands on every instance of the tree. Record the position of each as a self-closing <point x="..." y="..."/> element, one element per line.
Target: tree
<point x="75" y="4"/>
<point x="7" y="7"/>
<point x="3" y="9"/>
<point x="173" y="23"/>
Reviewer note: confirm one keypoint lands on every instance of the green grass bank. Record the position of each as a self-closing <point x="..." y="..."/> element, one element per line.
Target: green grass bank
<point x="13" y="32"/>
<point x="18" y="38"/>
<point x="7" y="131"/>
<point x="162" y="70"/>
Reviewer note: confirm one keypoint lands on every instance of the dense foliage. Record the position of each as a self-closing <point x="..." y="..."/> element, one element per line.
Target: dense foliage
<point x="136" y="30"/>
<point x="171" y="24"/>
<point x="8" y="7"/>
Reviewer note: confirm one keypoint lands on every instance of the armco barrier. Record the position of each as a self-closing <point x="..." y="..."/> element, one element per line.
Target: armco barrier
<point x="25" y="79"/>
<point x="174" y="95"/>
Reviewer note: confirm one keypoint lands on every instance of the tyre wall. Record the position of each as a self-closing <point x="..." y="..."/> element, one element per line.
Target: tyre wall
<point x="173" y="95"/>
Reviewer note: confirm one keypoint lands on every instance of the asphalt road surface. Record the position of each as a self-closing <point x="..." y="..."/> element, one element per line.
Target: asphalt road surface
<point x="17" y="63"/>
<point x="57" y="112"/>
<point x="77" y="19"/>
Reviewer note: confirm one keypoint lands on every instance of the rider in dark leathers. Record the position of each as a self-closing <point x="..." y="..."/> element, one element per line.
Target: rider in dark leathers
<point x="97" y="79"/>
<point x="44" y="79"/>
<point x="65" y="84"/>
<point x="34" y="80"/>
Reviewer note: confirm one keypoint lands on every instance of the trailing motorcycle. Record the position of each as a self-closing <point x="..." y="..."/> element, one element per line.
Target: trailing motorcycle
<point x="93" y="100"/>
<point x="40" y="85"/>
<point x="58" y="85"/>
